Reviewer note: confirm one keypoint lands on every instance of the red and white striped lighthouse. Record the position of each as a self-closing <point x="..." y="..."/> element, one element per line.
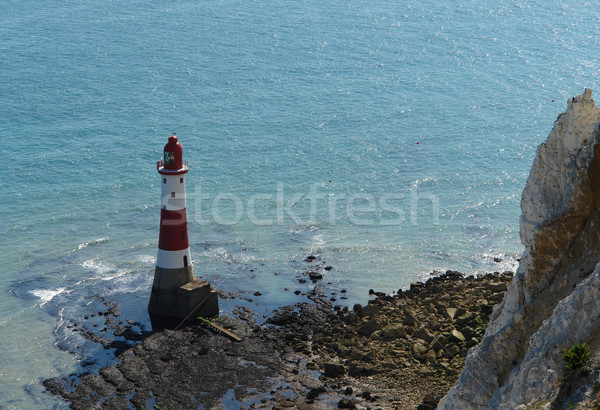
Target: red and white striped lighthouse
<point x="175" y="292"/>
<point x="173" y="247"/>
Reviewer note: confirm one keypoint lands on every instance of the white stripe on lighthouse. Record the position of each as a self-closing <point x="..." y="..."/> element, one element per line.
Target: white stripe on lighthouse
<point x="172" y="192"/>
<point x="173" y="259"/>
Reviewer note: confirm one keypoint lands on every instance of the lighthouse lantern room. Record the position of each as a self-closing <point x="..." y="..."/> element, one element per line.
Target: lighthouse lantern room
<point x="175" y="292"/>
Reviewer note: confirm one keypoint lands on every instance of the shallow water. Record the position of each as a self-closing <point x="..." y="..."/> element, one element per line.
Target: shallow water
<point x="390" y="139"/>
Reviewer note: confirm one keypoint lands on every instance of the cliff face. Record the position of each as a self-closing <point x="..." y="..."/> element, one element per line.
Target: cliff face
<point x="553" y="301"/>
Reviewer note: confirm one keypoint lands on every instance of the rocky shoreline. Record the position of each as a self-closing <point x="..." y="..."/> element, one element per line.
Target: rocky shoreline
<point x="397" y="351"/>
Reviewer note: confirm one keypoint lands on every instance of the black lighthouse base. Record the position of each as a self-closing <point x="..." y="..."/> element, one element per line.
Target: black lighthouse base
<point x="168" y="307"/>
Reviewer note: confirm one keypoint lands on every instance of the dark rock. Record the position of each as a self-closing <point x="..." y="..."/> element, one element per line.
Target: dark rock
<point x="452" y="274"/>
<point x="417" y="286"/>
<point x="112" y="375"/>
<point x="313" y="275"/>
<point x="328" y="267"/>
<point x="456" y="336"/>
<point x="451" y="351"/>
<point x="496" y="286"/>
<point x="54" y="386"/>
<point x="394" y="332"/>
<point x="310" y="258"/>
<point x="409" y="317"/>
<point x="257" y="293"/>
<point x="467" y="331"/>
<point x="357" y="370"/>
<point x="346" y="403"/>
<point x="419" y="349"/>
<point x="439" y="342"/>
<point x="314" y="393"/>
<point x="348" y="391"/>
<point x="426" y="371"/>
<point x="281" y="317"/>
<point x="495" y="298"/>
<point x="334" y="369"/>
<point x="425" y="334"/>
<point x="466" y="318"/>
<point x="370" y="310"/>
<point x="369" y="327"/>
<point x="430" y="402"/>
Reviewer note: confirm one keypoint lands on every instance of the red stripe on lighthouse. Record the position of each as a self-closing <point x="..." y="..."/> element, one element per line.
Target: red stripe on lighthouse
<point x="173" y="230"/>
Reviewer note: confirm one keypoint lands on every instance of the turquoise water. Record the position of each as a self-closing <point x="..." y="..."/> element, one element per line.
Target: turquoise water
<point x="391" y="139"/>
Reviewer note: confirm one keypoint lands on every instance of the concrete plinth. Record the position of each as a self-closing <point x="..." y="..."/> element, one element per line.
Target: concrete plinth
<point x="169" y="305"/>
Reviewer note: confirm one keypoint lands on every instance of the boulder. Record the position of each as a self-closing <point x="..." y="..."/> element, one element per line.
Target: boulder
<point x="394" y="332"/>
<point x="466" y="318"/>
<point x="424" y="333"/>
<point x="419" y="349"/>
<point x="369" y="327"/>
<point x="334" y="369"/>
<point x="457" y="336"/>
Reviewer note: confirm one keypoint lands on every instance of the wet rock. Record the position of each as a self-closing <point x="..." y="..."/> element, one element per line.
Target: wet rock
<point x="334" y="369"/>
<point x="346" y="403"/>
<point x="112" y="375"/>
<point x="314" y="276"/>
<point x="314" y="393"/>
<point x="54" y="386"/>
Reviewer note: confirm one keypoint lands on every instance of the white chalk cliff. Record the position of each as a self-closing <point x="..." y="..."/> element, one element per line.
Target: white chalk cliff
<point x="553" y="301"/>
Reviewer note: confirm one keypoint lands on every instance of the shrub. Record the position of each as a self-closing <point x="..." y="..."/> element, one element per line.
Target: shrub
<point x="576" y="356"/>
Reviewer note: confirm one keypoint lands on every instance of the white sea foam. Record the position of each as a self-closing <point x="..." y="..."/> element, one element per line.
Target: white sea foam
<point x="147" y="259"/>
<point x="223" y="255"/>
<point x="96" y="266"/>
<point x="46" y="295"/>
<point x="85" y="244"/>
<point x="93" y="242"/>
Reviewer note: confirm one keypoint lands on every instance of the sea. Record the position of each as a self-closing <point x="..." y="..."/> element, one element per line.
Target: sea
<point x="389" y="139"/>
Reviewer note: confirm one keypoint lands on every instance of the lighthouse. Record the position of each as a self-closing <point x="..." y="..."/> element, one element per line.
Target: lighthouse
<point x="175" y="291"/>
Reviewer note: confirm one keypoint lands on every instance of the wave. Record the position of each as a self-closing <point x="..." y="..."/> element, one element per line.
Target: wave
<point x="96" y="266"/>
<point x="93" y="242"/>
<point x="46" y="295"/>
